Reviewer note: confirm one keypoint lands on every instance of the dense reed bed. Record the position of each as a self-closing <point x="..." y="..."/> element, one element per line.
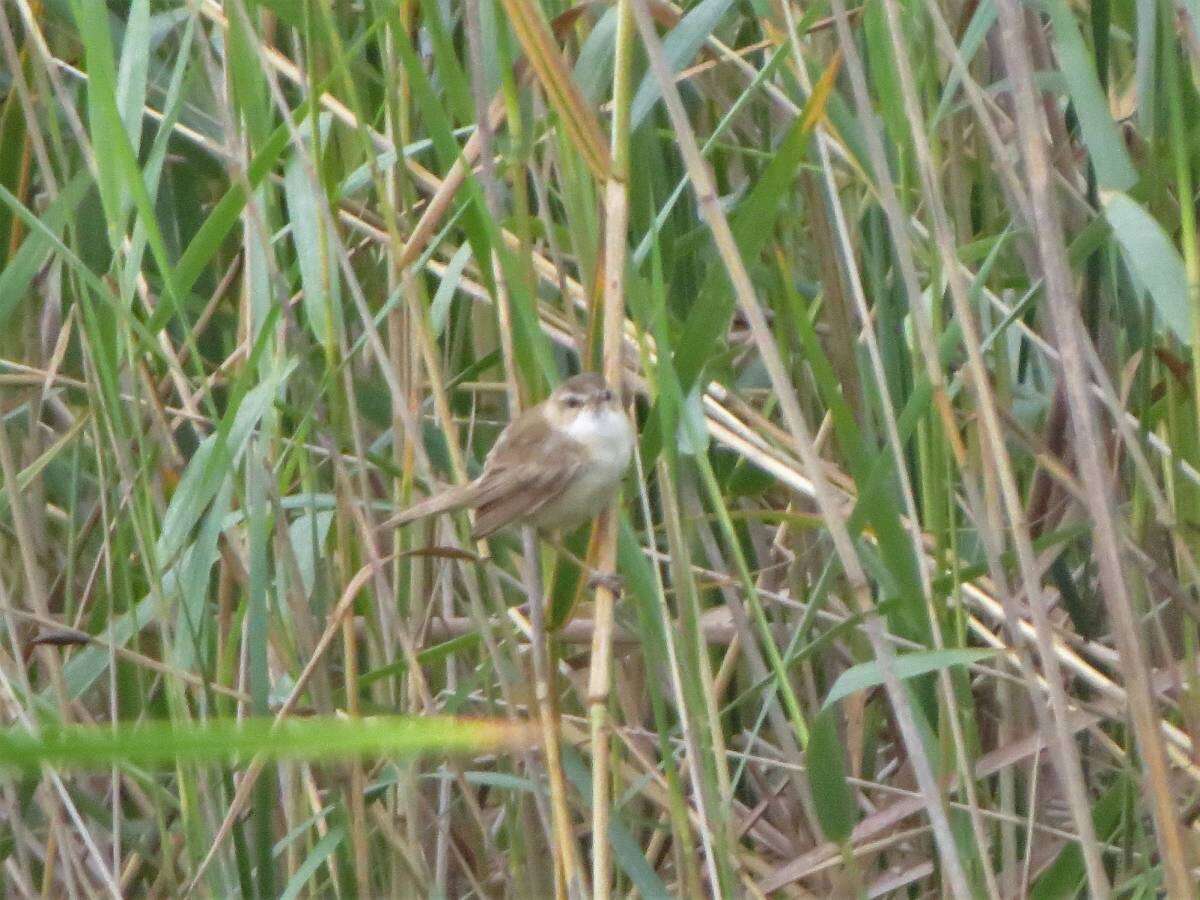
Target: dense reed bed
<point x="903" y="296"/>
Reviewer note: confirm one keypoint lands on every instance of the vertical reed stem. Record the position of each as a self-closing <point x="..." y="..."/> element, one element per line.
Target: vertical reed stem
<point x="616" y="205"/>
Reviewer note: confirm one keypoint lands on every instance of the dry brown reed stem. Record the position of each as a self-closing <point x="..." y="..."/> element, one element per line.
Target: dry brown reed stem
<point x="568" y="866"/>
<point x="834" y="517"/>
<point x="565" y="846"/>
<point x="1063" y="752"/>
<point x="577" y="116"/>
<point x="1068" y="329"/>
<point x="941" y="402"/>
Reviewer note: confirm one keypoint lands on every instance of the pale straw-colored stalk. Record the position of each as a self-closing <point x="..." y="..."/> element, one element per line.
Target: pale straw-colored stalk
<point x="616" y="207"/>
<point x="706" y="196"/>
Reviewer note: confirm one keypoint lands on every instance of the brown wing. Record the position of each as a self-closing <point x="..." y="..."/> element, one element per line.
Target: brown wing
<point x="527" y="468"/>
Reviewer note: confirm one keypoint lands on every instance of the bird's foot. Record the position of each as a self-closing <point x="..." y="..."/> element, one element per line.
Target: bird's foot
<point x="611" y="581"/>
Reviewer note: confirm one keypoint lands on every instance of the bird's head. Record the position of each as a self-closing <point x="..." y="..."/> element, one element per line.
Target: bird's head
<point x="583" y="395"/>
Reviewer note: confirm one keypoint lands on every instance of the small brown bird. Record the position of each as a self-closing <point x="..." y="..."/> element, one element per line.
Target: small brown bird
<point x="555" y="466"/>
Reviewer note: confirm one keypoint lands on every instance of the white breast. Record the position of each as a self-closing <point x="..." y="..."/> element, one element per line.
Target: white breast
<point x="608" y="437"/>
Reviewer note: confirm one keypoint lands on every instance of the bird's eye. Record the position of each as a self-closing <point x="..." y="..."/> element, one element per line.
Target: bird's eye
<point x="573" y="402"/>
<point x="606" y="395"/>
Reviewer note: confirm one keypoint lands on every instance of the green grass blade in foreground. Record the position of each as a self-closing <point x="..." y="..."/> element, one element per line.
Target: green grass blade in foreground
<point x="827" y="773"/>
<point x="1105" y="145"/>
<point x="753" y="224"/>
<point x="832" y="798"/>
<point x="981" y="23"/>
<point x="227" y="211"/>
<point x="875" y="476"/>
<point x="1152" y="256"/>
<point x="164" y="743"/>
<point x="906" y="665"/>
<point x="18" y="274"/>
<point x="679" y="46"/>
<point x="324" y="848"/>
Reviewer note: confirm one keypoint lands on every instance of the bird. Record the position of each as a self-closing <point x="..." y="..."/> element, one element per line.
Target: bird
<point x="555" y="466"/>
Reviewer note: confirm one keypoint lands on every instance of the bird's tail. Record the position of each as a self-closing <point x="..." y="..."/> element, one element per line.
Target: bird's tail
<point x="446" y="501"/>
